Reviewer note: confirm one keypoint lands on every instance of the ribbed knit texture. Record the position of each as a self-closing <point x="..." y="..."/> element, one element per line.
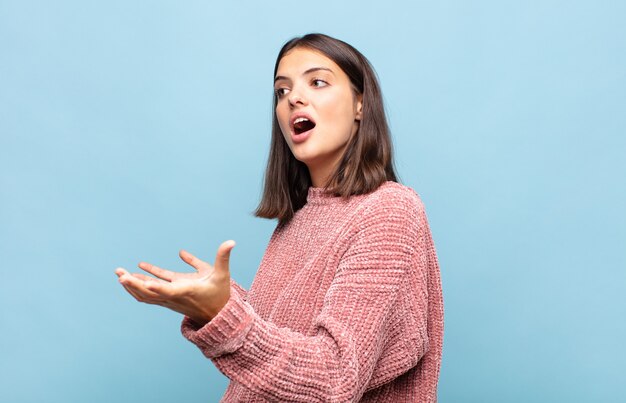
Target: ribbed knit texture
<point x="346" y="306"/>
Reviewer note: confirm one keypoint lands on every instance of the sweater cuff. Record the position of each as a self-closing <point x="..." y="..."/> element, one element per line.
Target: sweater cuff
<point x="226" y="332"/>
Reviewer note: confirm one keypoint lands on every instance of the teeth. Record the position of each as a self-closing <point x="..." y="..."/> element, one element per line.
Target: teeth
<point x="300" y="120"/>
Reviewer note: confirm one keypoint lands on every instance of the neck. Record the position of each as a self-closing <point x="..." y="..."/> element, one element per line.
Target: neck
<point x="321" y="171"/>
<point x="320" y="174"/>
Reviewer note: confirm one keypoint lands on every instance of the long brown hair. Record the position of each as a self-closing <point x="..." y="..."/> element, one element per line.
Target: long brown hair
<point x="367" y="161"/>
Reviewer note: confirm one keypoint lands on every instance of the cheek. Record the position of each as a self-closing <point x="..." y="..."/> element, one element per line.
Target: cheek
<point x="343" y="118"/>
<point x="339" y="109"/>
<point x="283" y="120"/>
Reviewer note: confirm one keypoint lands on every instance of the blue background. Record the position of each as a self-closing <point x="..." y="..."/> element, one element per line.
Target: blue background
<point x="129" y="130"/>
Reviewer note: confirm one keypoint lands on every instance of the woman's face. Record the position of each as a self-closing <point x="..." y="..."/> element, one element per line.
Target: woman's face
<point x="317" y="109"/>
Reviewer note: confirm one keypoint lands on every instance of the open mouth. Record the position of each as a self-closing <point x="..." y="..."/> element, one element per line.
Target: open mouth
<point x="301" y="125"/>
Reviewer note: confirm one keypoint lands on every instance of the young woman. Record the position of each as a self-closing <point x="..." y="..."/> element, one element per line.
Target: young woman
<point x="347" y="303"/>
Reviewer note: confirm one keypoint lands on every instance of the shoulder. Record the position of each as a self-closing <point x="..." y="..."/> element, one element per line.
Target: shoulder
<point x="395" y="197"/>
<point x="392" y="208"/>
<point x="389" y="219"/>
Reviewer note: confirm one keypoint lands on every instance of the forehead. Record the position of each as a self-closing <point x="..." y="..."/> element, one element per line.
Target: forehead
<point x="299" y="60"/>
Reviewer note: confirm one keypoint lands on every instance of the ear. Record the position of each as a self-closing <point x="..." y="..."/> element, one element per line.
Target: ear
<point x="359" y="107"/>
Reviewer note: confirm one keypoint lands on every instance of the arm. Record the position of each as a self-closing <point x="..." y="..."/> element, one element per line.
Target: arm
<point x="338" y="361"/>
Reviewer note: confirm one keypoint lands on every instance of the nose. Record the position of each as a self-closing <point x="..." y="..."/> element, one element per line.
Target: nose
<point x="295" y="98"/>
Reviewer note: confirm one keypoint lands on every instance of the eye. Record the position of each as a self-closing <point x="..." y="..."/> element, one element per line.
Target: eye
<point x="319" y="83"/>
<point x="280" y="92"/>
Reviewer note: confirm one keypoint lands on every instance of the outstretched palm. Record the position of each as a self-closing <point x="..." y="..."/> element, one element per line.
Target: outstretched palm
<point x="199" y="295"/>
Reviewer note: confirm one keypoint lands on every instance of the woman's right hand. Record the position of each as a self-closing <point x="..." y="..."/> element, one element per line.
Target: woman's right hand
<point x="200" y="295"/>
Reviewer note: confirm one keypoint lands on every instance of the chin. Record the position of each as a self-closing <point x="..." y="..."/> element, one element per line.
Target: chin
<point x="305" y="159"/>
<point x="302" y="153"/>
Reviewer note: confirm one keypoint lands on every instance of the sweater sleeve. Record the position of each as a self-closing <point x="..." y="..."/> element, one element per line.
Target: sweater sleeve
<point x="236" y="288"/>
<point x="337" y="362"/>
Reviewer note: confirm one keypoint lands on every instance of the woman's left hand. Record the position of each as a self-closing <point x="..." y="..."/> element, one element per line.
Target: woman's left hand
<point x="200" y="295"/>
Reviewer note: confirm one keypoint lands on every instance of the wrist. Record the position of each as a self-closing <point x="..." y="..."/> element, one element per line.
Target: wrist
<point x="208" y="312"/>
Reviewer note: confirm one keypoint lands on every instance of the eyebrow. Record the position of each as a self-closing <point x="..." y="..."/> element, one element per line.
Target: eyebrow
<point x="311" y="70"/>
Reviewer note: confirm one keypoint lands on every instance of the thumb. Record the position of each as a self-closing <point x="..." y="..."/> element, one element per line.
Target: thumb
<point x="223" y="256"/>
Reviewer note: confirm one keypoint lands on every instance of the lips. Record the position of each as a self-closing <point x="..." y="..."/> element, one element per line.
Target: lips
<point x="301" y="123"/>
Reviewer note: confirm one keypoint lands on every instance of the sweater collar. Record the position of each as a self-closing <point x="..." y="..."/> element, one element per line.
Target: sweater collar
<point x="320" y="196"/>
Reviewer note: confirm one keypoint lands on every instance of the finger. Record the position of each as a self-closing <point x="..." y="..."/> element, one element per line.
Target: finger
<point x="193" y="261"/>
<point x="139" y="288"/>
<point x="123" y="281"/>
<point x="157" y="271"/>
<point x="143" y="277"/>
<point x="133" y="293"/>
<point x="223" y="257"/>
<point x="119" y="272"/>
<point x="164" y="290"/>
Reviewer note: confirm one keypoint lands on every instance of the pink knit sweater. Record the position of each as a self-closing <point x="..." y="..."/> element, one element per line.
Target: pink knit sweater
<point x="346" y="306"/>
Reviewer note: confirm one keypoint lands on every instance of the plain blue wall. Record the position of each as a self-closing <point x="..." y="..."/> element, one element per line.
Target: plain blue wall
<point x="129" y="130"/>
